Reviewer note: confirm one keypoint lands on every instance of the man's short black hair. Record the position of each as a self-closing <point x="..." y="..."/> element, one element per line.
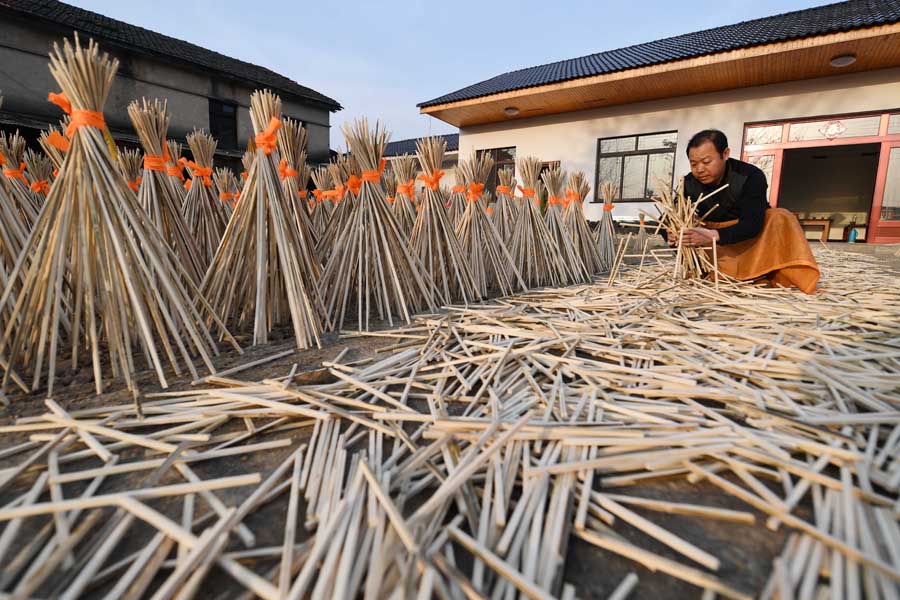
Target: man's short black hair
<point x="715" y="136"/>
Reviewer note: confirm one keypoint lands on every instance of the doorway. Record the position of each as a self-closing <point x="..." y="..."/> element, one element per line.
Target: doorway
<point x="830" y="189"/>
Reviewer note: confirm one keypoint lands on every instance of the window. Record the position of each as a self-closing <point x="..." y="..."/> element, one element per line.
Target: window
<point x="223" y="123"/>
<point x="503" y="158"/>
<point x="637" y="164"/>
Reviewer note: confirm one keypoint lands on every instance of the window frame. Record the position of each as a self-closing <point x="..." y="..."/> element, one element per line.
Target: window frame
<point x="493" y="180"/>
<point x="636" y="152"/>
<point x="216" y="133"/>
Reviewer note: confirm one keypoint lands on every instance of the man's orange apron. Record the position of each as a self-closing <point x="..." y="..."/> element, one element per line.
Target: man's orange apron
<point x="780" y="252"/>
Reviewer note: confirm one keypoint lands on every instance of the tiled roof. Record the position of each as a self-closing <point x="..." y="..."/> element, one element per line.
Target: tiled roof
<point x="832" y="18"/>
<point x="145" y="41"/>
<point x="401" y="147"/>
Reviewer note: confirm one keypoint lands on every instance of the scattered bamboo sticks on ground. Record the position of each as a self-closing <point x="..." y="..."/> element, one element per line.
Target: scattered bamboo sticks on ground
<point x="463" y="459"/>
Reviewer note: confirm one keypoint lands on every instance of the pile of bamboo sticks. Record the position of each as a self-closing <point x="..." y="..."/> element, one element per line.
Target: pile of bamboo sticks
<point x="678" y="213"/>
<point x="465" y="457"/>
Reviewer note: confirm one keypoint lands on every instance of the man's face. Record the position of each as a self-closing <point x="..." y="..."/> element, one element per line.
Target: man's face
<point x="707" y="164"/>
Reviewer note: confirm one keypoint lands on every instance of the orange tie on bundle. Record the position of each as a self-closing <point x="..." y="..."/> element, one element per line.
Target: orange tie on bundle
<point x="374" y="175"/>
<point x="390" y="199"/>
<point x="458" y="189"/>
<point x="244" y="175"/>
<point x="608" y="207"/>
<point x="489" y="210"/>
<point x="226" y="196"/>
<point x="408" y="188"/>
<point x="61" y="101"/>
<point x="284" y="171"/>
<point x="318" y="195"/>
<point x="335" y="195"/>
<point x="572" y="196"/>
<point x="503" y="189"/>
<point x="555" y="200"/>
<point x="16" y="173"/>
<point x="85" y="118"/>
<point x="265" y="140"/>
<point x="188" y="183"/>
<point x="56" y="172"/>
<point x="302" y="194"/>
<point x="155" y="162"/>
<point x="475" y="191"/>
<point x="40" y="187"/>
<point x="354" y="184"/>
<point x="135" y="185"/>
<point x="58" y="141"/>
<point x="529" y="193"/>
<point x="433" y="181"/>
<point x="197" y="171"/>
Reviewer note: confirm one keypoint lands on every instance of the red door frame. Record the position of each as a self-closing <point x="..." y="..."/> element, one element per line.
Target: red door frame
<point x="878" y="231"/>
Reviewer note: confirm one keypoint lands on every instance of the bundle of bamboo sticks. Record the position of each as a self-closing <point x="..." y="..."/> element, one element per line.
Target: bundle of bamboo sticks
<point x="370" y="268"/>
<point x="322" y="208"/>
<point x="98" y="278"/>
<point x="204" y="213"/>
<point x="404" y="207"/>
<point x="434" y="241"/>
<point x="157" y="194"/>
<point x="492" y="264"/>
<point x="506" y="209"/>
<point x="39" y="172"/>
<point x="577" y="225"/>
<point x="227" y="189"/>
<point x="341" y="199"/>
<point x="677" y="214"/>
<point x="606" y="234"/>
<point x="537" y="258"/>
<point x="263" y="272"/>
<point x="14" y="182"/>
<point x="292" y="146"/>
<point x="175" y="170"/>
<point x="555" y="182"/>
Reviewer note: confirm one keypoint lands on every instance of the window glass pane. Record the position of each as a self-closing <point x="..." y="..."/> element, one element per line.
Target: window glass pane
<point x="505" y="154"/>
<point x="633" y="177"/>
<point x="834" y="128"/>
<point x="660" y="173"/>
<point x="625" y="144"/>
<point x="767" y="134"/>
<point x="766" y="164"/>
<point x="657" y="141"/>
<point x="610" y="169"/>
<point x="890" y="204"/>
<point x="894" y="124"/>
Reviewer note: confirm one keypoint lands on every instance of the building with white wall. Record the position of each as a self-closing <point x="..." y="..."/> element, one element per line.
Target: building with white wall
<point x="812" y="97"/>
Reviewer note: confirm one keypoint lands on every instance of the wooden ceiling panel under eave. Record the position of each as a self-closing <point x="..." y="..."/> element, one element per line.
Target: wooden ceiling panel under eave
<point x="875" y="48"/>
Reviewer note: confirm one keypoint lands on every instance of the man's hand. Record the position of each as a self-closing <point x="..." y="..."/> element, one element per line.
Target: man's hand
<point x="699" y="236"/>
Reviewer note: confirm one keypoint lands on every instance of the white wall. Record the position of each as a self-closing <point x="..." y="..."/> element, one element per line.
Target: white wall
<point x="571" y="138"/>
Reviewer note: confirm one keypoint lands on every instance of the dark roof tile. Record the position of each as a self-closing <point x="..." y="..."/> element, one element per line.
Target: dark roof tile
<point x="143" y="40"/>
<point x="401" y="147"/>
<point x="831" y="18"/>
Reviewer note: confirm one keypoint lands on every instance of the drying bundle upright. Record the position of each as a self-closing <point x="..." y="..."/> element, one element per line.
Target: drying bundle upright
<point x="205" y="214"/>
<point x="292" y="146"/>
<point x="606" y="234"/>
<point x="98" y="269"/>
<point x="555" y="182"/>
<point x="433" y="239"/>
<point x="505" y="209"/>
<point x="490" y="260"/>
<point x="175" y="170"/>
<point x="14" y="183"/>
<point x="261" y="273"/>
<point x="322" y="207"/>
<point x="339" y="171"/>
<point x="405" y="199"/>
<point x="455" y="203"/>
<point x="156" y="193"/>
<point x="55" y="144"/>
<point x="17" y="216"/>
<point x="227" y="189"/>
<point x="370" y="267"/>
<point x="39" y="171"/>
<point x="536" y="255"/>
<point x="577" y="224"/>
<point x="130" y="165"/>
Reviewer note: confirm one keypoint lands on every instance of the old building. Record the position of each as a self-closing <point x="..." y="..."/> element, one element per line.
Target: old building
<point x="812" y="97"/>
<point x="204" y="89"/>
